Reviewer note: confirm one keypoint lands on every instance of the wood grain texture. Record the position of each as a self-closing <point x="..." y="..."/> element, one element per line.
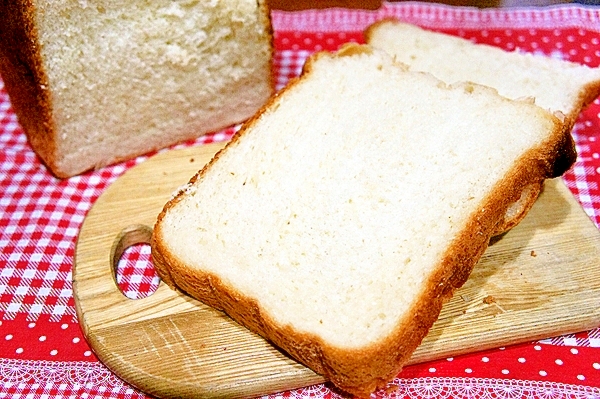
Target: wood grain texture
<point x="540" y="279"/>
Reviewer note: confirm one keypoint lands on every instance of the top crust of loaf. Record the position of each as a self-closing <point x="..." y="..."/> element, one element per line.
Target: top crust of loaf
<point x="313" y="160"/>
<point x="554" y="84"/>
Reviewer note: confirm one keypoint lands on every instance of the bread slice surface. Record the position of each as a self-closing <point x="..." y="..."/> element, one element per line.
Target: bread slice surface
<point x="555" y="84"/>
<point x="342" y="216"/>
<point x="93" y="83"/>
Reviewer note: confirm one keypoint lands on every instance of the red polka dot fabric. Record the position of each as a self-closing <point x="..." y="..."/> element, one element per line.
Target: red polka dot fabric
<point x="43" y="353"/>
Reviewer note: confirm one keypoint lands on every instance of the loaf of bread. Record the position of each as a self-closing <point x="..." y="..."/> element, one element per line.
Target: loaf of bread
<point x="93" y="83"/>
<point x="342" y="216"/>
<point x="554" y="84"/>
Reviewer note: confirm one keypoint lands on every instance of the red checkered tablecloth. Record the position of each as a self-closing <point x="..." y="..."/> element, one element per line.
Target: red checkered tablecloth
<point x="42" y="351"/>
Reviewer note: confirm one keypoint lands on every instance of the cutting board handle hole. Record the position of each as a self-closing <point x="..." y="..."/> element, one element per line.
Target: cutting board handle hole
<point x="132" y="267"/>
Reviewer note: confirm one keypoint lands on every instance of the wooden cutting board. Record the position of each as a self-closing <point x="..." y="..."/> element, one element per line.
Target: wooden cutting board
<point x="539" y="280"/>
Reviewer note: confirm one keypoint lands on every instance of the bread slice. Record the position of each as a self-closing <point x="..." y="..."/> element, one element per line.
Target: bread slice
<point x="554" y="84"/>
<point x="93" y="83"/>
<point x="343" y="215"/>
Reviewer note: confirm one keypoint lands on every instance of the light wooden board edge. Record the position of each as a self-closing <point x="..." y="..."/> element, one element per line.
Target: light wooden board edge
<point x="482" y="314"/>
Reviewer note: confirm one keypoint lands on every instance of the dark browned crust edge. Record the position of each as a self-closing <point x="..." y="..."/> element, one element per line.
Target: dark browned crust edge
<point x="361" y="371"/>
<point x="264" y="8"/>
<point x="25" y="78"/>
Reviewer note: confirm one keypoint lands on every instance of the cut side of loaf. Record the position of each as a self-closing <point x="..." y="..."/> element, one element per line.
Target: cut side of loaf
<point x="93" y="83"/>
<point x="343" y="215"/>
<point x="553" y="84"/>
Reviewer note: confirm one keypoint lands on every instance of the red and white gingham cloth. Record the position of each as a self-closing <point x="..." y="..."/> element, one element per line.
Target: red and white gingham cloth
<point x="42" y="351"/>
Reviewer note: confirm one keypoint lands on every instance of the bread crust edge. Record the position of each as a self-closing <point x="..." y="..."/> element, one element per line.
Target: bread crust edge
<point x="26" y="81"/>
<point x="360" y="371"/>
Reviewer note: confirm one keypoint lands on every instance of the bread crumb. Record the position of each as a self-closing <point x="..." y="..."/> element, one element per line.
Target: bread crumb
<point x="526" y="99"/>
<point x="391" y="388"/>
<point x="489" y="300"/>
<point x="532" y="253"/>
<point x="560" y="116"/>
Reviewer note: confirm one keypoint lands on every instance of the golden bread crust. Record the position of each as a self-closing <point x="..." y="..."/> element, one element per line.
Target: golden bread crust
<point x="25" y="77"/>
<point x="361" y="371"/>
